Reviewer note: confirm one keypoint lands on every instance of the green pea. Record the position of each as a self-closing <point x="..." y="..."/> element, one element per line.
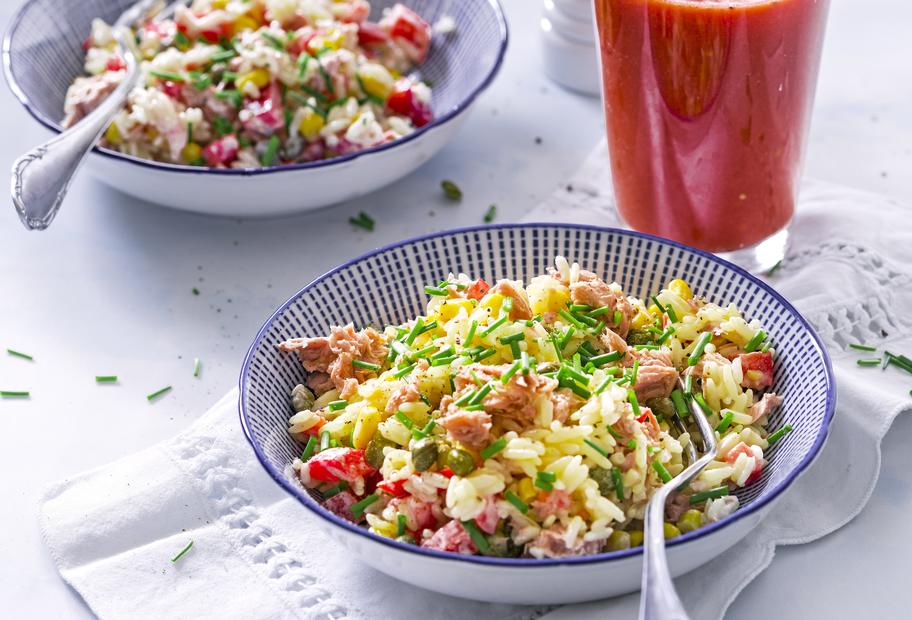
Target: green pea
<point x="661" y="406"/>
<point x="424" y="454"/>
<point x="640" y="336"/>
<point x="374" y="452"/>
<point x="618" y="540"/>
<point x="302" y="399"/>
<point x="461" y="462"/>
<point x="603" y="478"/>
<point x="690" y="521"/>
<point x="671" y="531"/>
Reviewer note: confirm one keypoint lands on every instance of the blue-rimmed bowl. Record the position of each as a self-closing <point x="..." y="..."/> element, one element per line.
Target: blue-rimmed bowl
<point x="387" y="286"/>
<point x="42" y="54"/>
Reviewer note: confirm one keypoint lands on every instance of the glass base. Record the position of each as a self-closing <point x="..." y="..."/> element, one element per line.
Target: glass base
<point x="761" y="258"/>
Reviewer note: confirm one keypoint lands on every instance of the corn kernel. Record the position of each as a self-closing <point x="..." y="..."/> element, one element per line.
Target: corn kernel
<point x="332" y="40"/>
<point x="526" y="490"/>
<point x="191" y="152"/>
<point x="219" y="4"/>
<point x="492" y="302"/>
<point x="258" y="77"/>
<point x="112" y="134"/>
<point x="365" y="427"/>
<point x="680" y="288"/>
<point x="376" y="80"/>
<point x="311" y="125"/>
<point x="654" y="310"/>
<point x="244" y="22"/>
<point x="379" y="526"/>
<point x="636" y="538"/>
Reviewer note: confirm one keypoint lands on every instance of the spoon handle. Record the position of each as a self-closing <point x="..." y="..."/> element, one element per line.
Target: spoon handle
<point x="41" y="177"/>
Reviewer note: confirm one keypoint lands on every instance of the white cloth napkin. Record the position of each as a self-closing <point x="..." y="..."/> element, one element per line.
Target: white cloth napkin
<point x="258" y="554"/>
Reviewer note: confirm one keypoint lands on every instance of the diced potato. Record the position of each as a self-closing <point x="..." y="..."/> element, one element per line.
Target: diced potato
<point x="365" y="427"/>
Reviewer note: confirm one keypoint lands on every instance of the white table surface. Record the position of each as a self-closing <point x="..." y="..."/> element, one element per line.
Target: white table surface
<point x="107" y="290"/>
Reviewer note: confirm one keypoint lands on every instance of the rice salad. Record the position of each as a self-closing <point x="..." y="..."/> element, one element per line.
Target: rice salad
<point x="532" y="420"/>
<point x="252" y="83"/>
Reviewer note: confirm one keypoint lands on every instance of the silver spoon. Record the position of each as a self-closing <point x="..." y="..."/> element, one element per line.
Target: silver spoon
<point x="41" y="177"/>
<point x="659" y="599"/>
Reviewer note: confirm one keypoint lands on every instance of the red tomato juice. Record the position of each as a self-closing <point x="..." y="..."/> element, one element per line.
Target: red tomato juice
<point x="707" y="104"/>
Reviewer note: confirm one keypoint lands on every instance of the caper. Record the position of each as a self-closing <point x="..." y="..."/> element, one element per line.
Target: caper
<point x="690" y="521"/>
<point x="302" y="399"/>
<point x="406" y="538"/>
<point x="618" y="540"/>
<point x="661" y="406"/>
<point x="374" y="452"/>
<point x="501" y="546"/>
<point x="602" y="476"/>
<point x="424" y="454"/>
<point x="461" y="462"/>
<point x="639" y="336"/>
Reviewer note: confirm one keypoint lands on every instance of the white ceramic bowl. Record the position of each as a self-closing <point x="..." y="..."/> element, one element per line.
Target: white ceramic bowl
<point x="42" y="54"/>
<point x="387" y="286"/>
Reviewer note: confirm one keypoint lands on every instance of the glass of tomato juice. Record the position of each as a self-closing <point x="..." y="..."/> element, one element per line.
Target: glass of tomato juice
<point x="707" y="105"/>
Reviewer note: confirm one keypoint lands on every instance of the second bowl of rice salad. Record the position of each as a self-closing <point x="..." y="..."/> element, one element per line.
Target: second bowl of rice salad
<point x="260" y="107"/>
<point x="533" y="419"/>
<point x="471" y="417"/>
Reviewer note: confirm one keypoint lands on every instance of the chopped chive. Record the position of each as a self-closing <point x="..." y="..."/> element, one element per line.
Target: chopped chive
<point x="272" y="149"/>
<point x="526" y="362"/>
<point x="900" y="361"/>
<point x="861" y="347"/>
<point x="451" y="190"/>
<point x="774" y="269"/>
<point x="158" y="393"/>
<point x="634" y="403"/>
<point x="24" y="356"/>
<point x="677" y="398"/>
<point x="665" y="335"/>
<point x="572" y="320"/>
<point x="585" y="320"/>
<point x="197" y="367"/>
<point x="659" y="304"/>
<point x="416" y="329"/>
<point x="660" y="469"/>
<point x="471" y="333"/>
<point x="366" y="365"/>
<point x="105" y="378"/>
<point x="335" y="490"/>
<point x="507" y="306"/>
<point x="634" y="371"/>
<point x="603" y="386"/>
<point x="333" y="443"/>
<point x="512" y="338"/>
<point x="577" y="308"/>
<point x="565" y="339"/>
<point x="309" y="448"/>
<point x="478" y="407"/>
<point x="646" y="347"/>
<point x="596" y="447"/>
<point x="725" y="422"/>
<point x="702" y="496"/>
<point x="222" y="56"/>
<point x="465" y="398"/>
<point x="512" y="370"/>
<point x="401" y="521"/>
<point x="545" y="480"/>
<point x="363" y="221"/>
<point x="166" y="75"/>
<point x="672" y="315"/>
<point x="618" y="482"/>
<point x="601" y="360"/>
<point x="632" y="444"/>
<point x="182" y="552"/>
<point x="490" y="328"/>
<point x="443" y="361"/>
<point x="337" y="405"/>
<point x="406" y="422"/>
<point x="273" y="40"/>
<point x="571" y="372"/>
<point x="423" y="352"/>
<point x="618" y="317"/>
<point x="434" y="291"/>
<point x="777" y="435"/>
<point x="557" y="348"/>
<point x="576" y="388"/>
<point x="754" y="342"/>
<point x="698" y="397"/>
<point x="14" y="394"/>
<point x="483" y="391"/>
<point x="424" y="432"/>
<point x="232" y="95"/>
<point x="181" y="39"/>
<point x="514" y="499"/>
<point x="357" y="508"/>
<point x="477" y="537"/>
<point x="869" y="362"/>
<point x="494" y="448"/>
<point x="697" y="353"/>
<point x="597" y="312"/>
<point x="485" y="354"/>
<point x="688" y="384"/>
<point x="325" y="440"/>
<point x="489" y="215"/>
<point x="613" y="432"/>
<point x="478" y="381"/>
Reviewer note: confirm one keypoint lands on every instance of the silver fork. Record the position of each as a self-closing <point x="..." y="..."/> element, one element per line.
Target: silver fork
<point x="658" y="597"/>
<point x="41" y="177"/>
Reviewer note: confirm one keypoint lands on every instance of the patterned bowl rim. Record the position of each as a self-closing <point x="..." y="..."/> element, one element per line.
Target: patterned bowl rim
<point x="451" y="114"/>
<point x="765" y="500"/>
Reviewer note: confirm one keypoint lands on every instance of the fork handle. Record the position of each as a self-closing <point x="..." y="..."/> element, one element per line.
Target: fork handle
<point x="660" y="600"/>
<point x="41" y="177"/>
